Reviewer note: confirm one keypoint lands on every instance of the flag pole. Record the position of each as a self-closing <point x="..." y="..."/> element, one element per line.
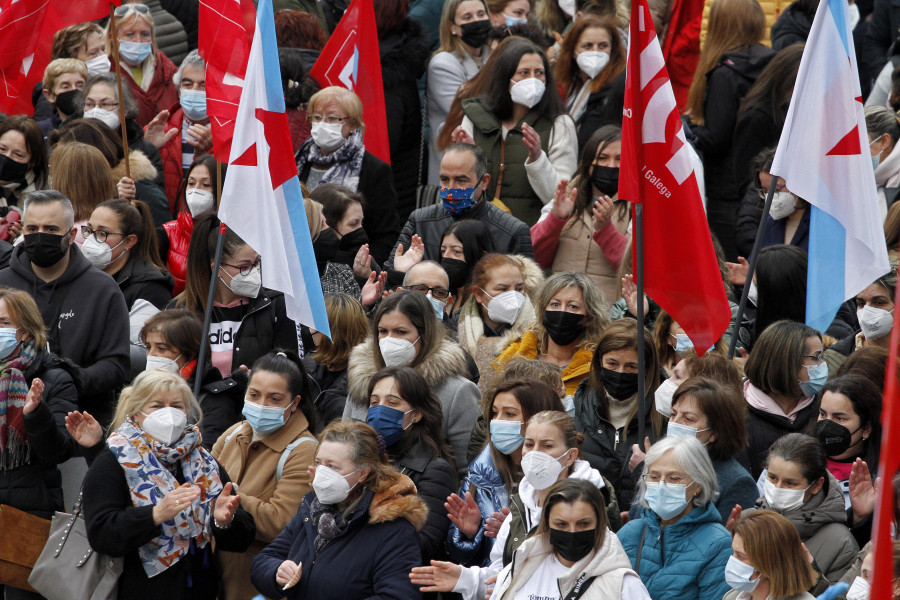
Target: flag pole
<point x="751" y="268"/>
<point x="638" y="270"/>
<point x="113" y="30"/>
<point x="207" y="315"/>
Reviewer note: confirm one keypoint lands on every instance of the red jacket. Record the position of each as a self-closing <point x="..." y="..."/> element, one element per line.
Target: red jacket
<point x="171" y="158"/>
<point x="159" y="95"/>
<point x="179" y="232"/>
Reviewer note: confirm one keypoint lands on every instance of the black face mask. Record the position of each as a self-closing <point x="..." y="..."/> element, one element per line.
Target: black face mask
<point x="605" y="179"/>
<point x="349" y="245"/>
<point x="457" y="272"/>
<point x="563" y="327"/>
<point x="573" y="545"/>
<point x="475" y="33"/>
<point x="835" y="438"/>
<point x="45" y="249"/>
<point x="325" y="245"/>
<point x="65" y="102"/>
<point x="11" y="170"/>
<point x="620" y="386"/>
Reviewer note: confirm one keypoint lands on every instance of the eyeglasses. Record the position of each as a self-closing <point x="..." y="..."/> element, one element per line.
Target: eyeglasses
<point x="670" y="479"/>
<point x="246" y="269"/>
<point x="100" y="236"/>
<point x="329" y="120"/>
<point x="90" y="104"/>
<point x="123" y="10"/>
<point x="439" y="293"/>
<point x="818" y="357"/>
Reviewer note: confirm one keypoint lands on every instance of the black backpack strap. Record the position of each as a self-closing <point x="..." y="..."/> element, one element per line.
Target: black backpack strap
<point x="580" y="588"/>
<point x="637" y="561"/>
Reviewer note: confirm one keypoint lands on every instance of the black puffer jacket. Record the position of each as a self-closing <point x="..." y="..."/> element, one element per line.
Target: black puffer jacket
<point x="221" y="400"/>
<point x="332" y="394"/>
<point x="764" y="428"/>
<point x="603" y="108"/>
<point x="140" y="280"/>
<point x="36" y="487"/>
<point x="171" y="36"/>
<point x="188" y="13"/>
<point x="792" y="26"/>
<point x="404" y="55"/>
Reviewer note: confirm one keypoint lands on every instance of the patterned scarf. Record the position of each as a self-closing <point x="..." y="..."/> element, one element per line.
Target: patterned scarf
<point x="14" y="450"/>
<point x="147" y="464"/>
<point x="329" y="521"/>
<point x="344" y="164"/>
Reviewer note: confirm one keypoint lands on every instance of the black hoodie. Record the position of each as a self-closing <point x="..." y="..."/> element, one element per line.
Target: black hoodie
<point x="791" y="27"/>
<point x="140" y="280"/>
<point x="87" y="323"/>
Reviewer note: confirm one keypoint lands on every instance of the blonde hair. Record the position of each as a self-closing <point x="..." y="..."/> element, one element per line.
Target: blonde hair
<point x="314" y="217"/>
<point x="732" y="24"/>
<point x="449" y="42"/>
<point x="595" y="304"/>
<point x="24" y="311"/>
<point x="775" y="549"/>
<point x="129" y="18"/>
<point x="344" y="98"/>
<point x="83" y="176"/>
<point x="145" y="387"/>
<point x="349" y="327"/>
<point x="571" y="437"/>
<point x="365" y="450"/>
<point x="61" y="66"/>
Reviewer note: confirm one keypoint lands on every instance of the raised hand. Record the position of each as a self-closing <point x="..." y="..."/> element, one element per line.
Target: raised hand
<point x="492" y="524"/>
<point x="225" y="506"/>
<point x="602" y="212"/>
<point x="465" y="514"/>
<point x="362" y="263"/>
<point x="733" y="517"/>
<point x="461" y="136"/>
<point x="737" y="272"/>
<point x="637" y="455"/>
<point x="629" y="292"/>
<point x="532" y="141"/>
<point x="155" y="131"/>
<point x="862" y="493"/>
<point x="174" y="502"/>
<point x="373" y="289"/>
<point x="404" y="261"/>
<point x="33" y="397"/>
<point x="439" y="577"/>
<point x="563" y="203"/>
<point x="84" y="429"/>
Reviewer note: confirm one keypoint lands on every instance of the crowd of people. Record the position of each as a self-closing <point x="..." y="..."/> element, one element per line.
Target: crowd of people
<point x="472" y="427"/>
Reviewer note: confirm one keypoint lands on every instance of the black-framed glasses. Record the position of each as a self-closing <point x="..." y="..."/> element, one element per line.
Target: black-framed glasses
<point x="818" y="357"/>
<point x="246" y="269"/>
<point x="99" y="235"/>
<point x="438" y="293"/>
<point x="329" y="120"/>
<point x="123" y="10"/>
<point x="90" y="104"/>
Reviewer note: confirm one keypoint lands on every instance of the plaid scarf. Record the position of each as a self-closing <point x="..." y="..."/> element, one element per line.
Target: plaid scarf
<point x="344" y="164"/>
<point x="14" y="450"/>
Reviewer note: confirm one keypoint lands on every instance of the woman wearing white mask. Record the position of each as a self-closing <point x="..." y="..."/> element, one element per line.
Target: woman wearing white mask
<point x="355" y="532"/>
<point x="788" y="220"/>
<point x="269" y="452"/>
<point x="521" y="123"/>
<point x="678" y="546"/>
<point x="591" y="67"/>
<point x="406" y="333"/>
<point x="335" y="153"/>
<point x="769" y="561"/>
<point x="799" y="487"/>
<point x="549" y="454"/>
<point x="146" y="70"/>
<point x="875" y="314"/>
<point x="200" y="186"/>
<point x="570" y="315"/>
<point x="883" y="129"/>
<point x="120" y="240"/>
<point x="248" y="319"/>
<point x="158" y="498"/>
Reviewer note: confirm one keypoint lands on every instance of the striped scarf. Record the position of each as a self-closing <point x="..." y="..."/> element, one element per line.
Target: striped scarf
<point x="14" y="450"/>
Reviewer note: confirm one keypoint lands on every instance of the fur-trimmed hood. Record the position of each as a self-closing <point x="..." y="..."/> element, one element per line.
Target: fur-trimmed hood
<point x="398" y="498"/>
<point x="449" y="359"/>
<point x="141" y="167"/>
<point x="527" y="347"/>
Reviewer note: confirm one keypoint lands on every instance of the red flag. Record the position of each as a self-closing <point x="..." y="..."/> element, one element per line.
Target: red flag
<point x="224" y="36"/>
<point x="26" y="35"/>
<point x="681" y="272"/>
<point x="681" y="47"/>
<point x="888" y="463"/>
<point x="351" y="60"/>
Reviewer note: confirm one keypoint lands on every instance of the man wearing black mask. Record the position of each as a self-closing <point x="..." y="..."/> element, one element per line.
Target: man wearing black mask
<point x="63" y="80"/>
<point x="82" y="307"/>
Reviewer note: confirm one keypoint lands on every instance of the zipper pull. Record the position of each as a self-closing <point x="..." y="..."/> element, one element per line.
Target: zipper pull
<point x="617" y="438"/>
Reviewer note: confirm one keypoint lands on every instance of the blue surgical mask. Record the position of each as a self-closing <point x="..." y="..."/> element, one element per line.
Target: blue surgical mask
<point x="674" y="429"/>
<point x="513" y="21"/>
<point x="683" y="343"/>
<point x="738" y="574"/>
<point x="263" y="419"/>
<point x="388" y="422"/>
<point x="8" y="341"/>
<point x="193" y="102"/>
<point x="457" y="201"/>
<point x="569" y="405"/>
<point x="506" y="436"/>
<point x="666" y="500"/>
<point x="818" y="374"/>
<point x="134" y="53"/>
<point x="437" y="305"/>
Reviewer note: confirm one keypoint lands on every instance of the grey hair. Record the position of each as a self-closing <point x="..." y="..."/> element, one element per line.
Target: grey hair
<point x="42" y="197"/>
<point x="408" y="277"/>
<point x="131" y="110"/>
<point x="880" y="121"/>
<point x="478" y="153"/>
<point x="692" y="458"/>
<point x="193" y="59"/>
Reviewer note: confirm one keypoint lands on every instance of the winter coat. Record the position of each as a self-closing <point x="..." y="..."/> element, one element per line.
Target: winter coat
<point x="404" y="56"/>
<point x="309" y="6"/>
<point x="145" y="175"/>
<point x="36" y="486"/>
<point x="87" y="323"/>
<point x="171" y="157"/>
<point x="272" y="502"/>
<point x="157" y="95"/>
<point x="139" y="280"/>
<point x="445" y="370"/>
<point x="764" y="428"/>
<point x="773" y="234"/>
<point x="435" y="479"/>
<point x="489" y="492"/>
<point x="179" y="234"/>
<point x="117" y="528"/>
<point x="604" y="107"/>
<point x="188" y="14"/>
<point x="792" y="26"/>
<point x="511" y="236"/>
<point x="372" y="559"/>
<point x="733" y="595"/>
<point x="756" y="129"/>
<point x="380" y="218"/>
<point x="746" y="224"/>
<point x="682" y="561"/>
<point x="736" y="486"/>
<point x="484" y="348"/>
<point x="527" y="347"/>
<point x="171" y="37"/>
<point x="428" y="14"/>
<point x="332" y="396"/>
<point x="298" y="123"/>
<point x="221" y="400"/>
<point x="608" y="449"/>
<point x="822" y="525"/>
<point x="607" y="565"/>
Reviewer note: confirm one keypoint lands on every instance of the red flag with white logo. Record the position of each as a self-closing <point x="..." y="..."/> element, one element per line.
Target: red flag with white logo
<point x="351" y="60"/>
<point x="224" y="37"/>
<point x="26" y="36"/>
<point x="681" y="272"/>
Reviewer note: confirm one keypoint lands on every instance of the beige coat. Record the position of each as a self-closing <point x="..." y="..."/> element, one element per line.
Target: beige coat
<point x="251" y="465"/>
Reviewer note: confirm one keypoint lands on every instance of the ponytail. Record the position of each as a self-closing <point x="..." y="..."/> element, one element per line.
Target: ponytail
<point x="287" y="364"/>
<point x="135" y="219"/>
<point x="201" y="254"/>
